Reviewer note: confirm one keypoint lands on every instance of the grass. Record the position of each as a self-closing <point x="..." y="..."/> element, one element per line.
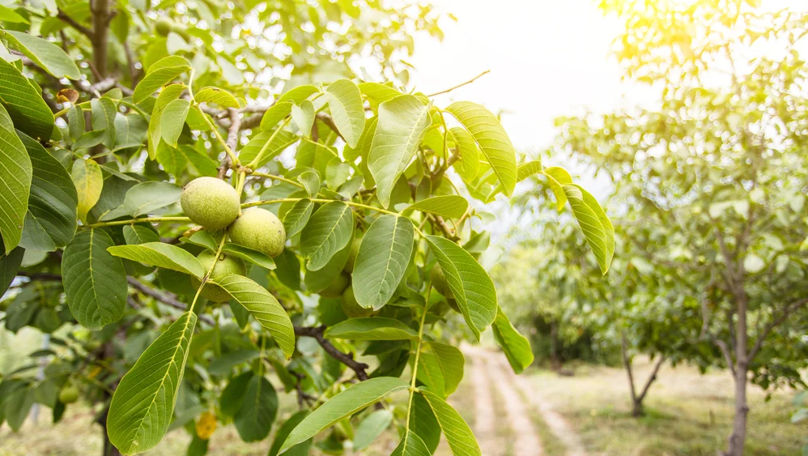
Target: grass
<point x="686" y="413"/>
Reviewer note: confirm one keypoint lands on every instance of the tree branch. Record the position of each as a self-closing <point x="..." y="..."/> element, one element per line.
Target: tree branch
<point x="773" y="324"/>
<point x="72" y="22"/>
<point x="166" y="298"/>
<point x="100" y="17"/>
<point x="345" y="358"/>
<point x="651" y="378"/>
<point x="725" y="351"/>
<point x="461" y="84"/>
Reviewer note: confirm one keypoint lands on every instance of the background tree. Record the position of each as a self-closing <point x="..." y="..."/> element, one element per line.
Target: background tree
<point x="173" y="316"/>
<point x="719" y="167"/>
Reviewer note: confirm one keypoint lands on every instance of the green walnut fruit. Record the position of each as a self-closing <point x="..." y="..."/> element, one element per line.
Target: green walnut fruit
<point x="210" y="202"/>
<point x="68" y="394"/>
<point x="439" y="282"/>
<point x="351" y="307"/>
<point x="349" y="265"/>
<point x="226" y="265"/>
<point x="335" y="288"/>
<point x="259" y="229"/>
<point x="163" y="27"/>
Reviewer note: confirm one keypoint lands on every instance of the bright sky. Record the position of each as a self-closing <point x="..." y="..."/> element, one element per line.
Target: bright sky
<point x="547" y="58"/>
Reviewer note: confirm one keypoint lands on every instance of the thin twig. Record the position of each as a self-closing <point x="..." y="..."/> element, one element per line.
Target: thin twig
<point x="72" y="22"/>
<point x="460" y="85"/>
<point x="317" y="333"/>
<point x="165" y="298"/>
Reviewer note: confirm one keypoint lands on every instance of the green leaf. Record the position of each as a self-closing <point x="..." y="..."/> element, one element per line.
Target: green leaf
<point x="468" y="163"/>
<point x="371" y="328"/>
<point x="172" y="119"/>
<point x="44" y="53"/>
<point x="143" y="403"/>
<point x="597" y="228"/>
<point x="160" y="73"/>
<point x="558" y="177"/>
<point x="458" y="434"/>
<point x="154" y="134"/>
<point x="94" y="281"/>
<point x="492" y="139"/>
<point x="258" y="410"/>
<point x="345" y="102"/>
<point x="89" y="181"/>
<point x="247" y="254"/>
<point x="24" y="103"/>
<point x="303" y="116"/>
<point x="260" y="150"/>
<point x="51" y="218"/>
<point x="103" y="119"/>
<point x="371" y="427"/>
<point x="423" y="423"/>
<point x="346" y="403"/>
<point x="378" y="93"/>
<point x="145" y="198"/>
<point x="470" y="284"/>
<point x="515" y="345"/>
<point x="162" y="255"/>
<point x="440" y="368"/>
<point x="401" y="125"/>
<point x="301" y="449"/>
<point x="233" y="394"/>
<point x="528" y="169"/>
<point x="217" y="96"/>
<point x="297" y="217"/>
<point x="329" y="230"/>
<point x="9" y="15"/>
<point x="449" y="206"/>
<point x="263" y="306"/>
<point x="275" y="114"/>
<point x="15" y="182"/>
<point x="411" y="445"/>
<point x="382" y="260"/>
<point x="9" y="265"/>
<point x="139" y="234"/>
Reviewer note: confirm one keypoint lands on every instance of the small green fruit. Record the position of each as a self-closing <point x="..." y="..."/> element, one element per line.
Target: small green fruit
<point x="349" y="265"/>
<point x="335" y="288"/>
<point x="226" y="265"/>
<point x="210" y="202"/>
<point x="259" y="229"/>
<point x="68" y="394"/>
<point x="439" y="282"/>
<point x="351" y="308"/>
<point x="163" y="27"/>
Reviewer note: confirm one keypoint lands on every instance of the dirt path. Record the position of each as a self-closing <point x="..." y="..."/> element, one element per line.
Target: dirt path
<point x="485" y="428"/>
<point x="490" y="371"/>
<point x="557" y="424"/>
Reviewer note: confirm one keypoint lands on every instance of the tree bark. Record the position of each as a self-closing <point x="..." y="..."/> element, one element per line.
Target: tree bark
<point x="555" y="359"/>
<point x="636" y="406"/>
<point x="100" y="35"/>
<point x="737" y="439"/>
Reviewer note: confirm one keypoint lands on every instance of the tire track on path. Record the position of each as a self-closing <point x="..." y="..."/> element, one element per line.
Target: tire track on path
<point x="557" y="424"/>
<point x="484" y="412"/>
<point x="525" y="439"/>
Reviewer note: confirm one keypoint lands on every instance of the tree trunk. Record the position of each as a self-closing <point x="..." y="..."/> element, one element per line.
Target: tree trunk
<point x="737" y="439"/>
<point x="555" y="359"/>
<point x="636" y="409"/>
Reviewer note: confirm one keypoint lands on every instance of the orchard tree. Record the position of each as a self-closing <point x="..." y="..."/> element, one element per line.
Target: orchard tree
<point x="719" y="167"/>
<point x="190" y="189"/>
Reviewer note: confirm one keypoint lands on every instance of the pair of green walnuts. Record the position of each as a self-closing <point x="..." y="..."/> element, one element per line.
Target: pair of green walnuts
<point x="215" y="205"/>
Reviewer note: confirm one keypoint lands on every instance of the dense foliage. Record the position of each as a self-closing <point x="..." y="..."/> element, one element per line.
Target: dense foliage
<point x="180" y="317"/>
<point x="710" y="187"/>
